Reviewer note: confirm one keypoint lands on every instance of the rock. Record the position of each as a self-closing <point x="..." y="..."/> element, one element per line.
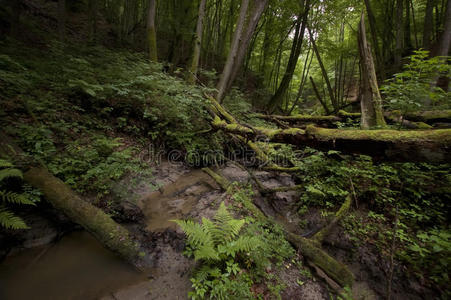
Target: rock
<point x="234" y="173"/>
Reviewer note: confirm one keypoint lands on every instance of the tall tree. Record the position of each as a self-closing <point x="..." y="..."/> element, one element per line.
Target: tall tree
<point x="240" y="43"/>
<point x="428" y="24"/>
<point x="151" y="33"/>
<point x="332" y="97"/>
<point x="373" y="29"/>
<point x="296" y="47"/>
<point x="227" y="71"/>
<point x="371" y="101"/>
<point x="197" y="43"/>
<point x="244" y="45"/>
<point x="444" y="41"/>
<point x="398" y="33"/>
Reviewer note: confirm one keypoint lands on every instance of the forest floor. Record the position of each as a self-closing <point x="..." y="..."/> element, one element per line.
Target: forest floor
<point x="89" y="113"/>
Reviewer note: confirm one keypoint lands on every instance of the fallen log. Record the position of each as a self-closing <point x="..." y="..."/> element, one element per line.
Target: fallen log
<point x="420" y="146"/>
<point x="393" y="145"/>
<point x="109" y="233"/>
<point x="430" y="117"/>
<point x="333" y="268"/>
<point x="112" y="235"/>
<point x="344" y="208"/>
<point x="413" y="120"/>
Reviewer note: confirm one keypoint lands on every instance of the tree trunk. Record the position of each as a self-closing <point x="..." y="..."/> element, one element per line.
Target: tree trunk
<point x="151" y="33"/>
<point x="407" y="32"/>
<point x="373" y="29"/>
<point x="61" y="19"/>
<point x="318" y="96"/>
<point x="99" y="224"/>
<point x="324" y="73"/>
<point x="371" y="101"/>
<point x="399" y="34"/>
<point x="93" y="16"/>
<point x="245" y="41"/>
<point x="445" y="37"/>
<point x="228" y="67"/>
<point x="393" y="145"/>
<point x="428" y="24"/>
<point x="197" y="43"/>
<point x="109" y="233"/>
<point x="277" y="98"/>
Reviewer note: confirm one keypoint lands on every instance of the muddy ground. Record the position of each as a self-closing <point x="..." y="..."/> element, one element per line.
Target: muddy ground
<point x="175" y="192"/>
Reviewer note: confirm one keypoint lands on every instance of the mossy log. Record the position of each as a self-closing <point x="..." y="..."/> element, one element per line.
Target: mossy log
<point x="300" y="118"/>
<point x="394" y="145"/>
<point x="344" y="208"/>
<point x="417" y="121"/>
<point x="430" y="117"/>
<point x="333" y="268"/>
<point x="112" y="235"/>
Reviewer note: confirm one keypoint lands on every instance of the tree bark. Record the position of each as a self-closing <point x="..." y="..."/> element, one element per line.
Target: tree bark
<point x="151" y="33"/>
<point x="371" y="101"/>
<point x="428" y="24"/>
<point x="197" y="43"/>
<point x="228" y="67"/>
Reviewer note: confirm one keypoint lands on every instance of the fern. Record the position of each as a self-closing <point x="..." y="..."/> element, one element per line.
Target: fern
<point x="15" y="198"/>
<point x="10" y="173"/>
<point x="9" y="220"/>
<point x="5" y="164"/>
<point x="217" y="244"/>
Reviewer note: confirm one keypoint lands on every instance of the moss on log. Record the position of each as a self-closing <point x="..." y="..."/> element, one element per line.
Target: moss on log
<point x="112" y="235"/>
<point x="424" y="145"/>
<point x="344" y="208"/>
<point x="300" y="118"/>
<point x="333" y="268"/>
<point x="430" y="117"/>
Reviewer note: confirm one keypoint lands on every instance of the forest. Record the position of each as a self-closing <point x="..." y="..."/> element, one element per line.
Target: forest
<point x="225" y="149"/>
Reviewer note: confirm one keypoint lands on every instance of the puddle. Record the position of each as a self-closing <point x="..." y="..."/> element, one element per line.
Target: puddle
<point x="175" y="200"/>
<point x="76" y="267"/>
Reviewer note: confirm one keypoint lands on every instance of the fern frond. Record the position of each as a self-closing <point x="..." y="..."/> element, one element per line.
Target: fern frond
<point x="197" y="235"/>
<point x="5" y="173"/>
<point x="15" y="198"/>
<point x="10" y="221"/>
<point x="5" y="164"/>
<point x="206" y="252"/>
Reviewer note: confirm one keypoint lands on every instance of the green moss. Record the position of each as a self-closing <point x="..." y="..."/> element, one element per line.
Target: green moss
<point x="345" y="114"/>
<point x="442" y="136"/>
<point x="94" y="220"/>
<point x="429" y="115"/>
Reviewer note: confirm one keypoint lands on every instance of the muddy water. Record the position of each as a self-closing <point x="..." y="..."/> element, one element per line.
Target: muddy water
<point x="174" y="200"/>
<point x="76" y="267"/>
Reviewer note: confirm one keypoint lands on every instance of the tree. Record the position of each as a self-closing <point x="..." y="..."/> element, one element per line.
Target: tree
<point x="296" y="47"/>
<point x="371" y="101"/>
<point x="373" y="26"/>
<point x="197" y="43"/>
<point x="151" y="34"/>
<point x="240" y="44"/>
